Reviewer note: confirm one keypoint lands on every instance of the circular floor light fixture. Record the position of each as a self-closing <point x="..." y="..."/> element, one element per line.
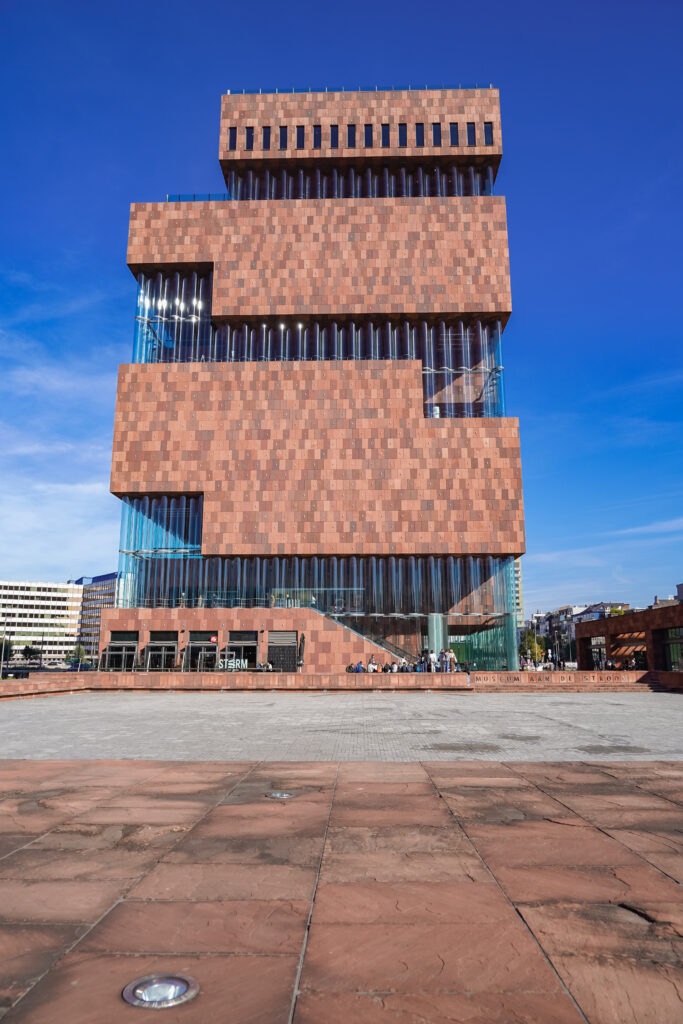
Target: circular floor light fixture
<point x="279" y="794"/>
<point x="160" y="991"/>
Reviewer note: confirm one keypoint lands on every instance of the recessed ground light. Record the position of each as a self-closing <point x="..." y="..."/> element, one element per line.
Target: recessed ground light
<point x="159" y="991"/>
<point x="279" y="794"/>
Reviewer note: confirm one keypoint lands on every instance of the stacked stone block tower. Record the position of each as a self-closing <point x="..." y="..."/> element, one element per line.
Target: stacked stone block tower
<point x="314" y="418"/>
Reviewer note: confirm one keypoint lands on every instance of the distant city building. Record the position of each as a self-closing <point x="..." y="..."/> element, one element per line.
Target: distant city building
<point x="648" y="639"/>
<point x="98" y="592"/>
<point x="601" y="610"/>
<point x="560" y="630"/>
<point x="45" y="616"/>
<point x="667" y="602"/>
<point x="519" y="594"/>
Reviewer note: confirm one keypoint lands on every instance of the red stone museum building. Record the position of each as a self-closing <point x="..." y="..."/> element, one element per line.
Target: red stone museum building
<point x="311" y="445"/>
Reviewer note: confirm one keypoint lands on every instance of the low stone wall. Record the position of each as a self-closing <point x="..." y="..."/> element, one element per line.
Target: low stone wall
<point x="67" y="682"/>
<point x="559" y="682"/>
<point x="479" y="682"/>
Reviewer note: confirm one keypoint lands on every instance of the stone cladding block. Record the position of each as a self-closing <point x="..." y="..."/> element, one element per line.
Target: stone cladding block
<point x="318" y="458"/>
<point x="329" y="646"/>
<point x="392" y="107"/>
<point x="336" y="257"/>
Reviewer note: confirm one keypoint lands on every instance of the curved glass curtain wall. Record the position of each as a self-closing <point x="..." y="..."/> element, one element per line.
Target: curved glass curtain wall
<point x="371" y="585"/>
<point x="173" y="317"/>
<point x="361" y="181"/>
<point x="461" y="361"/>
<point x="162" y="530"/>
<point x="384" y="598"/>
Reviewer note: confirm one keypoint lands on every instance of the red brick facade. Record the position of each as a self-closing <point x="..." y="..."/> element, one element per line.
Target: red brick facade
<point x="443" y="106"/>
<point x="329" y="646"/>
<point x="340" y="257"/>
<point x="624" y="633"/>
<point x="318" y="458"/>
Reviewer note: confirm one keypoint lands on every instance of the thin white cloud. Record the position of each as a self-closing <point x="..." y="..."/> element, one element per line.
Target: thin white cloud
<point x="45" y="378"/>
<point x="663" y="526"/>
<point x="57" y="531"/>
<point x="94" y="487"/>
<point x="640" y="385"/>
<point x="43" y="312"/>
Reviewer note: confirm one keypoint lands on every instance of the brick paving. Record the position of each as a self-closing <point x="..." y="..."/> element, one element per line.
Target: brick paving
<point x="474" y="891"/>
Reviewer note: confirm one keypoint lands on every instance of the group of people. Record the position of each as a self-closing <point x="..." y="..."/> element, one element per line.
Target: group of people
<point x="428" y="661"/>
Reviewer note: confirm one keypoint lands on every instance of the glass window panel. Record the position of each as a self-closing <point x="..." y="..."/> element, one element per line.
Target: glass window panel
<point x="403" y="135"/>
<point x="436" y="134"/>
<point x="300" y="136"/>
<point x="488" y="133"/>
<point x="232" y="138"/>
<point x="283" y="136"/>
<point x="419" y="134"/>
<point x="368" y="136"/>
<point x="334" y="136"/>
<point x="266" y="137"/>
<point x="386" y="135"/>
<point x="454" y="134"/>
<point x="317" y="136"/>
<point x="471" y="133"/>
<point x="351" y="136"/>
<point x="248" y="138"/>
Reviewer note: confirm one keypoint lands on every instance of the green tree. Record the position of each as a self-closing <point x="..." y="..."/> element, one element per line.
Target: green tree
<point x="533" y="643"/>
<point x="78" y="653"/>
<point x="30" y="653"/>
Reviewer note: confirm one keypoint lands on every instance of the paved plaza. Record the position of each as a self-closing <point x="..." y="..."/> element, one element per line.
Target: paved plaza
<point x="346" y="727"/>
<point x="448" y="891"/>
<point x="439" y="858"/>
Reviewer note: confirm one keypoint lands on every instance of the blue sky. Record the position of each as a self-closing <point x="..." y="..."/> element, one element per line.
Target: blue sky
<point x="111" y="103"/>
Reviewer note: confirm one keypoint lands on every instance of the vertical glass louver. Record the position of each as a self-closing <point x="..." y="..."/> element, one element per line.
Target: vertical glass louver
<point x="461" y="360"/>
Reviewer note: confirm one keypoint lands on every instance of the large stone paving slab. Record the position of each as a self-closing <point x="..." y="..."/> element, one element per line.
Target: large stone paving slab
<point x="409" y="893"/>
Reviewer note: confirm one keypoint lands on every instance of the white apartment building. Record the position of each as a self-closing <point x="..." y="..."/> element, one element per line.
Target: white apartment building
<point x="519" y="595"/>
<point x="41" y="615"/>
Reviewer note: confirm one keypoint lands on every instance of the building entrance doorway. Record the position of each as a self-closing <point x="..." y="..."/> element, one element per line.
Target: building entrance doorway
<point x="242" y="649"/>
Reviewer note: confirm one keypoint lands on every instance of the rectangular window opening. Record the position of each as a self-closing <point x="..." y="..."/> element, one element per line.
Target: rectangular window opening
<point x="300" y="136"/>
<point x="471" y="133"/>
<point x="488" y="133"/>
<point x="386" y="136"/>
<point x="403" y="135"/>
<point x="436" y="134"/>
<point x="317" y="136"/>
<point x="419" y="134"/>
<point x="232" y="138"/>
<point x="283" y="136"/>
<point x="454" y="134"/>
<point x="367" y="138"/>
<point x="351" y="136"/>
<point x="266" y="138"/>
<point x="248" y="138"/>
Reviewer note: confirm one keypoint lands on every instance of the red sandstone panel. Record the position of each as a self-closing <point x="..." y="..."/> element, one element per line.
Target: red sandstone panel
<point x="329" y="647"/>
<point x="403" y="106"/>
<point x="338" y="257"/>
<point x="318" y="458"/>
